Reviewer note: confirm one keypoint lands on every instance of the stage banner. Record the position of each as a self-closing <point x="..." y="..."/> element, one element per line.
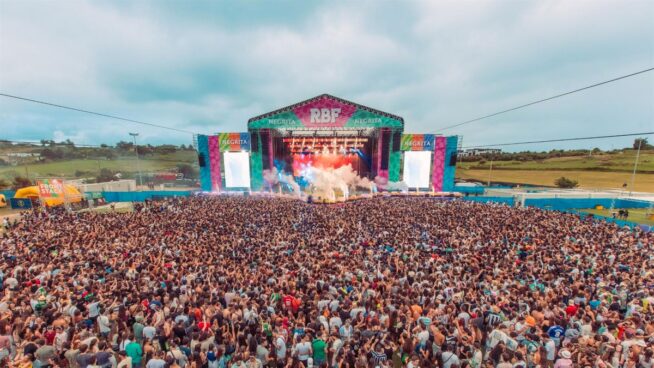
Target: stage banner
<point x="439" y="164"/>
<point x="214" y="163"/>
<point x="234" y="142"/>
<point x="417" y="142"/>
<point x="325" y="112"/>
<point x="50" y="188"/>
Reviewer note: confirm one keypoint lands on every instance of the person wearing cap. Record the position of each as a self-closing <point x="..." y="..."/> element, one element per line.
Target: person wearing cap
<point x="564" y="360"/>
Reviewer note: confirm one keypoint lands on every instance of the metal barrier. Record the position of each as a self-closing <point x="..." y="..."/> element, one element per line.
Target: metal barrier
<point x="142" y="196"/>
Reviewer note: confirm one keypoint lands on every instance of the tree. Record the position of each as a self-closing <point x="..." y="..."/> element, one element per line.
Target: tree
<point x="566" y="183"/>
<point x="52" y="154"/>
<point x="642" y="142"/>
<point x="188" y="171"/>
<point x="144" y="150"/>
<point x="124" y="146"/>
<point x="165" y="149"/>
<point x="4" y="184"/>
<point x="21" y="182"/>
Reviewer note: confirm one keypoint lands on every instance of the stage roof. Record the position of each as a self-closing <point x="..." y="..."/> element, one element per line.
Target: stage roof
<point x="325" y="112"/>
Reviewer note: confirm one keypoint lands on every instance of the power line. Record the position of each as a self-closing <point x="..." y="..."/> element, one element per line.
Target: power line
<point x="560" y="140"/>
<point x="545" y="99"/>
<point x="95" y="113"/>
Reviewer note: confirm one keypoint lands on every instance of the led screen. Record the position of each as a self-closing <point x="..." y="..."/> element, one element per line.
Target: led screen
<point x="417" y="168"/>
<point x="237" y="169"/>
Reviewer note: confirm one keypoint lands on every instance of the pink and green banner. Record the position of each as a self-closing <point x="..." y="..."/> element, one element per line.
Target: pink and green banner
<point x="325" y="112"/>
<point x="214" y="163"/>
<point x="417" y="142"/>
<point x="50" y="188"/>
<point x="438" y="169"/>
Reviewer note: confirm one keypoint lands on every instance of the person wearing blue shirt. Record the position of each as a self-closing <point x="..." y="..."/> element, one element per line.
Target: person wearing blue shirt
<point x="556" y="332"/>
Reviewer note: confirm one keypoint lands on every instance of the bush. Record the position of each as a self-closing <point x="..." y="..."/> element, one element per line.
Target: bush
<point x="188" y="171"/>
<point x="105" y="175"/>
<point x="566" y="183"/>
<point x="21" y="182"/>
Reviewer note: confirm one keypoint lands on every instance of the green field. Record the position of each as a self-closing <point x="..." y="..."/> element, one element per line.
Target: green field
<point x="638" y="215"/>
<point x="599" y="171"/>
<point x="91" y="168"/>
<point x="621" y="161"/>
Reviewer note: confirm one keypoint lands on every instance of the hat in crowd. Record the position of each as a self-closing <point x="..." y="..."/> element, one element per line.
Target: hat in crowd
<point x="530" y="321"/>
<point x="565" y="354"/>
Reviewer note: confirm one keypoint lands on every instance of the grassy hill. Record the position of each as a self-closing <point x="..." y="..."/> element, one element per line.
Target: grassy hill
<point x="619" y="161"/>
<point x="87" y="162"/>
<point x="604" y="170"/>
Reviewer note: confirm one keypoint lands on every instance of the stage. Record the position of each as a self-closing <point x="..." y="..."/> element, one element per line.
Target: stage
<point x="330" y="149"/>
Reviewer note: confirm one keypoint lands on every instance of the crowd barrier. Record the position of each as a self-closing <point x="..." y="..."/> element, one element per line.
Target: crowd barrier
<point x="142" y="196"/>
<point x="506" y="200"/>
<point x="477" y="190"/>
<point x="562" y="204"/>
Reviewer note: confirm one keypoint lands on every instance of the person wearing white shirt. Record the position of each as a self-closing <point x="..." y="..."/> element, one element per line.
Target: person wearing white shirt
<point x="335" y="322"/>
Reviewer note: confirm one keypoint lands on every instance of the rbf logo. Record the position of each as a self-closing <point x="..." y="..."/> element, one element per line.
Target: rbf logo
<point x="324" y="115"/>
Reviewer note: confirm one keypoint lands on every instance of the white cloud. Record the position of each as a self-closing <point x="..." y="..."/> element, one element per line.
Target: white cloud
<point x="434" y="63"/>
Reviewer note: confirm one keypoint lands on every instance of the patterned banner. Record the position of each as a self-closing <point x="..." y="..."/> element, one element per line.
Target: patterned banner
<point x="417" y="142"/>
<point x="324" y="113"/>
<point x="50" y="188"/>
<point x="439" y="164"/>
<point x="234" y="142"/>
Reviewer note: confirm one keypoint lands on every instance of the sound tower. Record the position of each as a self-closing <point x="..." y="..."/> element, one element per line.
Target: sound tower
<point x="453" y="159"/>
<point x="265" y="149"/>
<point x="385" y="149"/>
<point x="397" y="138"/>
<point x="254" y="137"/>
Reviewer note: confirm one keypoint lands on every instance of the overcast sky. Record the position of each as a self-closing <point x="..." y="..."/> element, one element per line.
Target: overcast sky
<point x="209" y="66"/>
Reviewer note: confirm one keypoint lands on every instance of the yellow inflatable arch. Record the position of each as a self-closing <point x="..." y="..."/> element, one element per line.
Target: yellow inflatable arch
<point x="72" y="195"/>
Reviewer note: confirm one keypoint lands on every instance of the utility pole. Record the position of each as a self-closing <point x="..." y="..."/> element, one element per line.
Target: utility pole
<point x="136" y="151"/>
<point x="633" y="174"/>
<point x="490" y="171"/>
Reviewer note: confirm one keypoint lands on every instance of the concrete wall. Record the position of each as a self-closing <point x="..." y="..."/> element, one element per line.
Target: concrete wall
<point x="128" y="185"/>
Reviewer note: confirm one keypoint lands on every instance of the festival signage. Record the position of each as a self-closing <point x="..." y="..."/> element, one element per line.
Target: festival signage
<point x="417" y="142"/>
<point x="234" y="142"/>
<point x="20" y="203"/>
<point x="50" y="188"/>
<point x="93" y="195"/>
<point x="326" y="112"/>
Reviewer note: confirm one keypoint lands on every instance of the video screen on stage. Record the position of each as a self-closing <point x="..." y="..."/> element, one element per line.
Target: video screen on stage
<point x="417" y="168"/>
<point x="301" y="162"/>
<point x="237" y="169"/>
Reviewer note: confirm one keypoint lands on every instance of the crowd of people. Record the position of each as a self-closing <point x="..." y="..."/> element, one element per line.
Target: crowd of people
<point x="256" y="282"/>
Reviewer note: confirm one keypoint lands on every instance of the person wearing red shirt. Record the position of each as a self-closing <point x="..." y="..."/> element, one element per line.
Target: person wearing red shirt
<point x="49" y="336"/>
<point x="571" y="310"/>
